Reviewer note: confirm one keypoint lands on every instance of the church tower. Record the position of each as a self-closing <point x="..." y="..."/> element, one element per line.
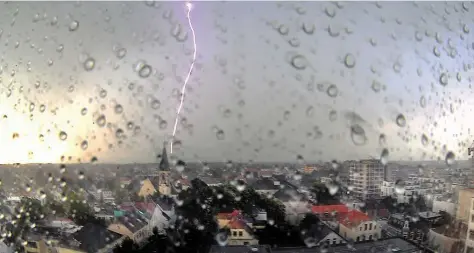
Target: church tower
<point x="164" y="181"/>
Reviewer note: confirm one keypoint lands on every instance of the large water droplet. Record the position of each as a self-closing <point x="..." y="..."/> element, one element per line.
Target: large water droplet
<point x="100" y="121"/>
<point x="450" y="158"/>
<point x="400" y="120"/>
<point x="332" y="91"/>
<point x="89" y="64"/>
<point x="220" y="135"/>
<point x="144" y="70"/>
<point x="358" y="135"/>
<point x="443" y="79"/>
<point x="424" y="140"/>
<point x="399" y="187"/>
<point x="299" y="62"/>
<point x="349" y="61"/>
<point x="84" y="145"/>
<point x="73" y="26"/>
<point x="62" y="135"/>
<point x="384" y="156"/>
<point x="118" y="109"/>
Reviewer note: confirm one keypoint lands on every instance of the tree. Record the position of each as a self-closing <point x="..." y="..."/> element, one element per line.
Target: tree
<point x="323" y="196"/>
<point x="127" y="246"/>
<point x="80" y="212"/>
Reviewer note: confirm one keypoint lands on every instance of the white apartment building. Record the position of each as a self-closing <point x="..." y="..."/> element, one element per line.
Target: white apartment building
<point x="366" y="176"/>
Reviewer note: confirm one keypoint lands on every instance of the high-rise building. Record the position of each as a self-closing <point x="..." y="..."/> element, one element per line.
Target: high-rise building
<point x="464" y="204"/>
<point x="366" y="177"/>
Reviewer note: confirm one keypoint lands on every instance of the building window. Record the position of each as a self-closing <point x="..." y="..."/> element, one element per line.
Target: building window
<point x="334" y="240"/>
<point x="241" y="233"/>
<point x="357" y="239"/>
<point x="370" y="237"/>
<point x="471" y="234"/>
<point x="365" y="226"/>
<point x="234" y="233"/>
<point x="370" y="226"/>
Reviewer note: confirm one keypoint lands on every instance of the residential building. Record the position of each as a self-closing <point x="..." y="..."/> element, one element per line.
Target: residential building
<point x="366" y="177"/>
<point x="464" y="204"/>
<point x="358" y="227"/>
<point x="469" y="245"/>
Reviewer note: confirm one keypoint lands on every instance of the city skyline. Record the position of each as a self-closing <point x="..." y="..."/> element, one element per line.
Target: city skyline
<point x="100" y="81"/>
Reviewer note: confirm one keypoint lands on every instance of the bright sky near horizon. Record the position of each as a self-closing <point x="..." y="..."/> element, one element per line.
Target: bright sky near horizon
<point x="274" y="80"/>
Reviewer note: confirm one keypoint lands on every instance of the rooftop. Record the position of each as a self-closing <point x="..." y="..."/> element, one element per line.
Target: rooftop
<point x="353" y="218"/>
<point x="240" y="249"/>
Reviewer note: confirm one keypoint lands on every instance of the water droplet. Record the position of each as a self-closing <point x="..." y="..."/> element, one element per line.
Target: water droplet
<point x="118" y="109"/>
<point x="84" y="145"/>
<point x="89" y="64"/>
<point x="144" y="70"/>
<point x="332" y="91"/>
<point x="376" y="86"/>
<point x="358" y="135"/>
<point x="384" y="156"/>
<point x="333" y="188"/>
<point x="62" y="135"/>
<point x="83" y="111"/>
<point x="450" y="158"/>
<point x="309" y="111"/>
<point x="42" y="108"/>
<point x="349" y="61"/>
<point x="32" y="107"/>
<point x="400" y="120"/>
<point x="103" y="93"/>
<point x="15" y="136"/>
<point x="299" y="62"/>
<point x="399" y="187"/>
<point x="382" y="140"/>
<point x="333" y="115"/>
<point x="300" y="159"/>
<point x="163" y="124"/>
<point x="422" y="101"/>
<point x="155" y="104"/>
<point x="424" y="140"/>
<point x="443" y="79"/>
<point x="220" y="135"/>
<point x="121" y="52"/>
<point x="100" y="121"/>
<point x="73" y="26"/>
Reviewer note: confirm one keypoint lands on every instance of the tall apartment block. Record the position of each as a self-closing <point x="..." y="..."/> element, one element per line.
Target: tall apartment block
<point x="366" y="177"/>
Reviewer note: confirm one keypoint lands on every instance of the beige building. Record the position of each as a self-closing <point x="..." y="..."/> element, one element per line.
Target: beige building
<point x="240" y="230"/>
<point x="366" y="176"/>
<point x="358" y="227"/>
<point x="464" y="204"/>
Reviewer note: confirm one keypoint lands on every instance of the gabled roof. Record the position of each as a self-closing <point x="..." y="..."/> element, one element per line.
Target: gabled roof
<point x="353" y="218"/>
<point x="330" y="209"/>
<point x="93" y="237"/>
<point x="265" y="184"/>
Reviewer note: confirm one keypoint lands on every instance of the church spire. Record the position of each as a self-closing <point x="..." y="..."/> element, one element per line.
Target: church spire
<point x="164" y="164"/>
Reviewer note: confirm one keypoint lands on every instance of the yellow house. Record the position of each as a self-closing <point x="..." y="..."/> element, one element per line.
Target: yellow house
<point x="240" y="233"/>
<point x="147" y="188"/>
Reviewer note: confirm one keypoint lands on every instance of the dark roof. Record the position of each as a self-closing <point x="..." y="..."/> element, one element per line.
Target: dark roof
<point x="93" y="237"/>
<point x="265" y="184"/>
<point x="240" y="249"/>
<point x="398" y="245"/>
<point x="166" y="203"/>
<point x="133" y="221"/>
<point x="286" y="195"/>
<point x="164" y="164"/>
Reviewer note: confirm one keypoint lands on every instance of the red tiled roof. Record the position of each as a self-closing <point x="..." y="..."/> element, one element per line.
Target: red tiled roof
<point x="330" y="209"/>
<point x="353" y="218"/>
<point x="229" y="216"/>
<point x="236" y="224"/>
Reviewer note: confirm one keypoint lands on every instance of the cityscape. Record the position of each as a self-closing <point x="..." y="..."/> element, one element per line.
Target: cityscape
<point x="347" y="206"/>
<point x="236" y="127"/>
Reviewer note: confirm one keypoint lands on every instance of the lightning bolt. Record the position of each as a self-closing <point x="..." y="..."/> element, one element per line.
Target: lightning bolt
<point x="189" y="7"/>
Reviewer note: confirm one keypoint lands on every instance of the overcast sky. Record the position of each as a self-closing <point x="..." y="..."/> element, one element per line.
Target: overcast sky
<point x="278" y="79"/>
